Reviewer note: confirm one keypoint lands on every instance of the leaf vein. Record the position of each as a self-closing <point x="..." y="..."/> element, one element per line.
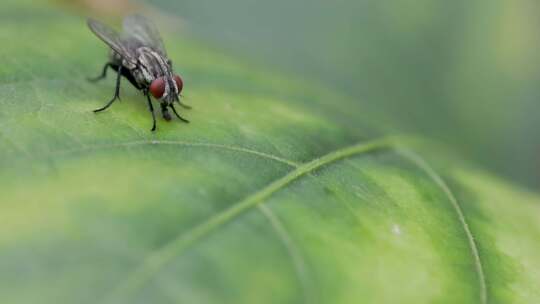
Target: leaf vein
<point x="422" y="164"/>
<point x="159" y="258"/>
<point x="298" y="261"/>
<point x="176" y="143"/>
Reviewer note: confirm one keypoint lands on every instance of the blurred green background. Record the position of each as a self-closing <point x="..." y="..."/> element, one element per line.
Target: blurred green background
<point x="464" y="72"/>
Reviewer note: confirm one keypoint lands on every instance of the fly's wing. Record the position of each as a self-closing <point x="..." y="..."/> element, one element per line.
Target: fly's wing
<point x="112" y="39"/>
<point x="141" y="30"/>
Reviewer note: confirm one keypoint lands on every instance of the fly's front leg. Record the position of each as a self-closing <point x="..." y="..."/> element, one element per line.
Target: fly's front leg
<point x="183" y="105"/>
<point x="151" y="108"/>
<point x="103" y="73"/>
<point x="177" y="115"/>
<point x="116" y="92"/>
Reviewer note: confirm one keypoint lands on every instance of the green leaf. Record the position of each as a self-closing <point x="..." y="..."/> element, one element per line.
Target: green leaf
<point x="279" y="191"/>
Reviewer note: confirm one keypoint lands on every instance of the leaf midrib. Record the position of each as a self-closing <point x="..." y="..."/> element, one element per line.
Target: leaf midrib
<point x="152" y="264"/>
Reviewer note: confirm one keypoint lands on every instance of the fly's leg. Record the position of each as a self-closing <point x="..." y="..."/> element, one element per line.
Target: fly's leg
<point x="165" y="112"/>
<point x="116" y="92"/>
<point x="103" y="73"/>
<point x="176" y="113"/>
<point x="151" y="108"/>
<point x="183" y="105"/>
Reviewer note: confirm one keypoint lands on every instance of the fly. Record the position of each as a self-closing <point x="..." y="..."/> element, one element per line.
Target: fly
<point x="138" y="54"/>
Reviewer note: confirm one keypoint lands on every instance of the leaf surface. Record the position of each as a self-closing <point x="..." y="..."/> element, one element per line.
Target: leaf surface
<point x="279" y="191"/>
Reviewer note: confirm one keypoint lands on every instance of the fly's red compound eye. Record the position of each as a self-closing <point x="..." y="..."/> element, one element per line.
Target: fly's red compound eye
<point x="157" y="87"/>
<point x="179" y="83"/>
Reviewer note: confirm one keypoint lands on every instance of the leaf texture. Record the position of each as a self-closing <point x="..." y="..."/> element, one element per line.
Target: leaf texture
<point x="279" y="191"/>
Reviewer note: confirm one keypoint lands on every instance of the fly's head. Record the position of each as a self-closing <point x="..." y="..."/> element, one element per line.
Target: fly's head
<point x="166" y="88"/>
<point x="156" y="72"/>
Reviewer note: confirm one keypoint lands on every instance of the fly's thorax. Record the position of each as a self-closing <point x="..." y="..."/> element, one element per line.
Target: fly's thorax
<point x="156" y="72"/>
<point x="139" y="77"/>
<point x="152" y="64"/>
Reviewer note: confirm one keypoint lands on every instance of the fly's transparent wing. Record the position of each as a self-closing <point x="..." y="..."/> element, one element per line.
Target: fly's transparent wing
<point x="112" y="39"/>
<point x="144" y="32"/>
